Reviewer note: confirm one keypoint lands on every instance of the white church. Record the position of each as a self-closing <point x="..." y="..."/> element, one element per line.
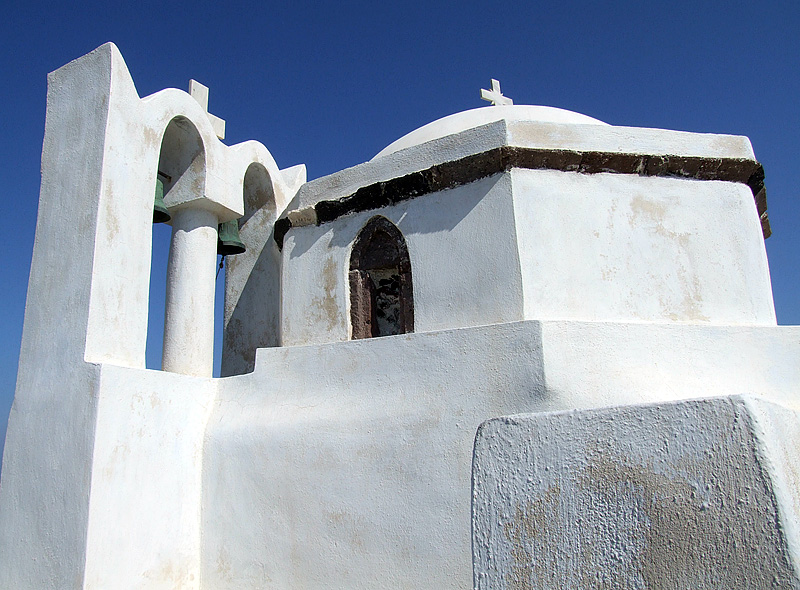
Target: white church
<point x="517" y="349"/>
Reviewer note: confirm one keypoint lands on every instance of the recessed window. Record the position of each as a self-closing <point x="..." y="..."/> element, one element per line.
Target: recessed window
<point x="381" y="292"/>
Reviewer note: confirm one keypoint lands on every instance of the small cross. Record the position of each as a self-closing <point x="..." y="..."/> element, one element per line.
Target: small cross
<point x="200" y="94"/>
<point x="494" y="95"/>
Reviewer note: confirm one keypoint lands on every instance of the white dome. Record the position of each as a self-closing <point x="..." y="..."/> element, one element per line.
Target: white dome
<point x="481" y="116"/>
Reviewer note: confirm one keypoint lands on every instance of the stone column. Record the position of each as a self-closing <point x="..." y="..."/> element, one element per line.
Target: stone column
<point x="189" y="319"/>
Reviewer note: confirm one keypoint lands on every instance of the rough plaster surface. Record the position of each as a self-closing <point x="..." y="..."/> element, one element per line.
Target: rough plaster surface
<point x="252" y="279"/>
<point x="548" y="127"/>
<point x="334" y="464"/>
<point x="129" y="146"/>
<point x="189" y="314"/>
<point x="611" y="363"/>
<point x="600" y="247"/>
<point x="46" y="468"/>
<point x="364" y="447"/>
<point x="347" y="465"/>
<point x="45" y="485"/>
<point x="144" y="517"/>
<point x="524" y="134"/>
<point x="677" y="495"/>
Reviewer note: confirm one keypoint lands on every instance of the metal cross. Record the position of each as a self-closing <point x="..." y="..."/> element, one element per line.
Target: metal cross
<point x="494" y="95"/>
<point x="200" y="94"/>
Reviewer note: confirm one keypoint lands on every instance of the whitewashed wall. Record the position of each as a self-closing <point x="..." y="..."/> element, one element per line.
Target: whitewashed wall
<point x="687" y="495"/>
<point x="464" y="264"/>
<point x="348" y="464"/>
<point x="337" y="464"/>
<point x="596" y="247"/>
<point x="62" y="522"/>
<point x="622" y="247"/>
<point x="144" y="512"/>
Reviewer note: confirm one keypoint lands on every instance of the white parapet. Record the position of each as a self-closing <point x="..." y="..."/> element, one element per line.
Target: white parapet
<point x="364" y="447"/>
<point x="688" y="495"/>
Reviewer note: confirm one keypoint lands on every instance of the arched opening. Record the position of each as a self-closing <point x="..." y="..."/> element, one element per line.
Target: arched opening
<point x="257" y="192"/>
<point x="162" y="233"/>
<point x="252" y="298"/>
<point x="182" y="162"/>
<point x="381" y="291"/>
<point x="179" y="177"/>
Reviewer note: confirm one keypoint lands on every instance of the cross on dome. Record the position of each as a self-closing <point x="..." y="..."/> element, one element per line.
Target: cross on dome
<point x="199" y="92"/>
<point x="494" y="95"/>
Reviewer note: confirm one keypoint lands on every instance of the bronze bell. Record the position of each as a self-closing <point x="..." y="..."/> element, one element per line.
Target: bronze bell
<point x="228" y="241"/>
<point x="160" y="211"/>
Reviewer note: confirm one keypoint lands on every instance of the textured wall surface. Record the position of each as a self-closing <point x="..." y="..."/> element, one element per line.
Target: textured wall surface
<point x="680" y="495"/>
<point x="364" y="448"/>
<point x="88" y="306"/>
<point x="340" y="464"/>
<point x="347" y="465"/>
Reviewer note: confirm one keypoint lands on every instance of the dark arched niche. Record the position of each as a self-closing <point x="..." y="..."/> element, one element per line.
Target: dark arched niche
<point x="381" y="292"/>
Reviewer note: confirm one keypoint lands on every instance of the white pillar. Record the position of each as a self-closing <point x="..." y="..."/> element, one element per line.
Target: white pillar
<point x="189" y="319"/>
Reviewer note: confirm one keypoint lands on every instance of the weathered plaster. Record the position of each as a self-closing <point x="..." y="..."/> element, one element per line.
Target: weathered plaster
<point x="474" y="278"/>
<point x="674" y="495"/>
<point x="326" y="463"/>
<point x="347" y="464"/>
<point x="88" y="308"/>
<point x="144" y="522"/>
<point x="600" y="247"/>
<point x="524" y="134"/>
<point x="189" y="314"/>
<point x="457" y="122"/>
<point x="450" y="174"/>
<point x="614" y="247"/>
<point x="252" y="279"/>
<point x="364" y="447"/>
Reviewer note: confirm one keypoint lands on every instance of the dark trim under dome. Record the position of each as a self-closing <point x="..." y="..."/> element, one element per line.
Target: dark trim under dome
<point x="502" y="159"/>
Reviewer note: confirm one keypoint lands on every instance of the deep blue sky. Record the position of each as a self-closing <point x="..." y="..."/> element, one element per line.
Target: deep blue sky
<point x="329" y="85"/>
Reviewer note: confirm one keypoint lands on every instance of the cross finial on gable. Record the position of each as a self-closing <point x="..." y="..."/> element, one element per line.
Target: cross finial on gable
<point x="199" y="92"/>
<point x="494" y="95"/>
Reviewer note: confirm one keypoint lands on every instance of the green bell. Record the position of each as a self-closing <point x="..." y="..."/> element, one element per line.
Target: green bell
<point x="228" y="241"/>
<point x="160" y="211"/>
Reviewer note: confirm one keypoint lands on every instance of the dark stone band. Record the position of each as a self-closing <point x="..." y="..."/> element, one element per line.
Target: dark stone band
<point x="502" y="159"/>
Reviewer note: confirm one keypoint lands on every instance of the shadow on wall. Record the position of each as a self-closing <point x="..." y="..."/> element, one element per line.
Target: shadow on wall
<point x="181" y="169"/>
<point x="430" y="213"/>
<point x="162" y="234"/>
<point x="327" y="457"/>
<point x="252" y="320"/>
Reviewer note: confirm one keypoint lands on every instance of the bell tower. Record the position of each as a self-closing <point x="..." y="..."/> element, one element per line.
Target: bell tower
<point x="108" y="156"/>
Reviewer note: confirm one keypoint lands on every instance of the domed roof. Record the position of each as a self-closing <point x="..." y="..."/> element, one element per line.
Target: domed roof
<point x="481" y="116"/>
